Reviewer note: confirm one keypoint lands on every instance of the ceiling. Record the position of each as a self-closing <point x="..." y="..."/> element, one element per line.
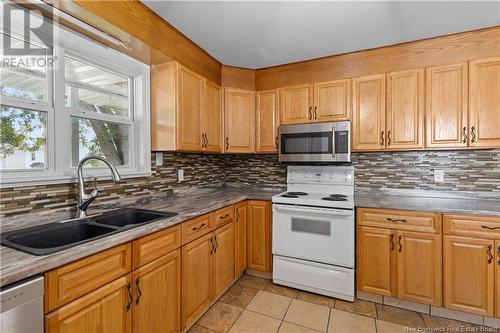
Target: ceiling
<point x="256" y="34"/>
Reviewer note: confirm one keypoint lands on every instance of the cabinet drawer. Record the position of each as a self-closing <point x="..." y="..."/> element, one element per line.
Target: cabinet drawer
<point x="474" y="226"/>
<point x="400" y="219"/>
<point x="196" y="228"/>
<point x="71" y="281"/>
<point x="152" y="247"/>
<point x="223" y="216"/>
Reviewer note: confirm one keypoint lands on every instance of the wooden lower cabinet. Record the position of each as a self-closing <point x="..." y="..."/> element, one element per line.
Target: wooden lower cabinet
<point x="419" y="272"/>
<point x="377" y="261"/>
<point x="469" y="275"/>
<point x="107" y="309"/>
<point x="223" y="259"/>
<point x="259" y="235"/>
<point x="197" y="272"/>
<point x="240" y="238"/>
<point x="157" y="295"/>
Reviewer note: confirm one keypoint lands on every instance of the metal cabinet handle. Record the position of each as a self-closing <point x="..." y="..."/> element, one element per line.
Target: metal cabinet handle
<point x="490" y="255"/>
<point x="237" y="214"/>
<point x="393" y="246"/>
<point x="399" y="243"/>
<point x="129" y="293"/>
<point x="206" y="139"/>
<point x="199" y="227"/>
<point x="212" y="250"/>
<point x="464" y="134"/>
<point x="139" y="290"/>
<point x="276" y="141"/>
<point x="395" y="220"/>
<point x="473" y="134"/>
<point x="310" y="113"/>
<point x="224" y="216"/>
<point x="315" y="114"/>
<point x="388" y="138"/>
<point x="489" y="228"/>
<point x="498" y="254"/>
<point x="202" y="140"/>
<point x="216" y="244"/>
<point x="382" y="138"/>
<point x="227" y="143"/>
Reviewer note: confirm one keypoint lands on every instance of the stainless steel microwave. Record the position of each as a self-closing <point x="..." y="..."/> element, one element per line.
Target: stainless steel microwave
<point x="319" y="142"/>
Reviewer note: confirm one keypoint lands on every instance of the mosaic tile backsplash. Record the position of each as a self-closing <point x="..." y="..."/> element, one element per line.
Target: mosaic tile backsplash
<point x="471" y="170"/>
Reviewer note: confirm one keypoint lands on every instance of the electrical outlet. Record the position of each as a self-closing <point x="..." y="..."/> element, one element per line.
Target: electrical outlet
<point x="438" y="176"/>
<point x="159" y="159"/>
<point x="180" y="175"/>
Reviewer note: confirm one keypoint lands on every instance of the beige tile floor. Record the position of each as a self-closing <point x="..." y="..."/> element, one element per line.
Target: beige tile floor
<point x="256" y="305"/>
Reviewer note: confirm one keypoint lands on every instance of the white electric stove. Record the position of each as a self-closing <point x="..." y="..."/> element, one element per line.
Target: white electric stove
<point x="313" y="231"/>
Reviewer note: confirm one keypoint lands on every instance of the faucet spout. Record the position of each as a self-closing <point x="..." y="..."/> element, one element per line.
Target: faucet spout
<point x="85" y="199"/>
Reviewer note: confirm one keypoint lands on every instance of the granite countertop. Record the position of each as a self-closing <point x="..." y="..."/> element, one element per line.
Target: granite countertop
<point x="189" y="203"/>
<point x="16" y="265"/>
<point x="440" y="202"/>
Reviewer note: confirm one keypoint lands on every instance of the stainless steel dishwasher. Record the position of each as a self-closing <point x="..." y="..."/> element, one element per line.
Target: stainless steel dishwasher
<point x="22" y="307"/>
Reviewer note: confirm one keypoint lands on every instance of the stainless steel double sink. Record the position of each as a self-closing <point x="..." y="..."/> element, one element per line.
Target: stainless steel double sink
<point x="53" y="237"/>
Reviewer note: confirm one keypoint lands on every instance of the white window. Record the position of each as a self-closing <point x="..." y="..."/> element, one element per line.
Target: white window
<point x="93" y="101"/>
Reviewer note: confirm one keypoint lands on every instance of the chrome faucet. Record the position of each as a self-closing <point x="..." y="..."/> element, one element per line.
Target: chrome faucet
<point x="85" y="199"/>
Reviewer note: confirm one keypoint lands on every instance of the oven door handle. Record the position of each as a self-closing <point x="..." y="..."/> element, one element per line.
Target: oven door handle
<point x="316" y="210"/>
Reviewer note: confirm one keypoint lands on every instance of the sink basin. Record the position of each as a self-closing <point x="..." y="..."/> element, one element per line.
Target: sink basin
<point x="57" y="236"/>
<point x="130" y="217"/>
<point x="53" y="237"/>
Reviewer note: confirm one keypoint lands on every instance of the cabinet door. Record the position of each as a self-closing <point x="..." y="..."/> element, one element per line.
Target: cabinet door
<point x="240" y="235"/>
<point x="259" y="235"/>
<point x="469" y="275"/>
<point x="223" y="259"/>
<point x="446" y="106"/>
<point x="212" y="117"/>
<point x="196" y="279"/>
<point x="332" y="100"/>
<point x="405" y="109"/>
<point x="368" y="125"/>
<point x="296" y="104"/>
<point x="377" y="261"/>
<point x="157" y="295"/>
<point x="419" y="267"/>
<point x="189" y="105"/>
<point x="497" y="279"/>
<point x="484" y="105"/>
<point x="107" y="309"/>
<point x="239" y="126"/>
<point x="267" y="122"/>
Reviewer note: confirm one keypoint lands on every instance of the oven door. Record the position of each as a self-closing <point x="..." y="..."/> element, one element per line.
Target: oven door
<point x="323" y="235"/>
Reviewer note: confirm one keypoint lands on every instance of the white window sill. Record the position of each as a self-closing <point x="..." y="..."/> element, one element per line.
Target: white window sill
<point x="34" y="180"/>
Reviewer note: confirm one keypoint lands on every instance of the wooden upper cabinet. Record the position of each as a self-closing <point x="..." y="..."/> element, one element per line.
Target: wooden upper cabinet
<point x="296" y="104"/>
<point x="197" y="271"/>
<point x="239" y="121"/>
<point x="419" y="267"/>
<point x="259" y="235"/>
<point x="157" y="308"/>
<point x="332" y="100"/>
<point x="107" y="309"/>
<point x="377" y="261"/>
<point x="405" y="110"/>
<point x="446" y="106"/>
<point x="240" y="234"/>
<point x="189" y="104"/>
<point x="469" y="275"/>
<point x="211" y="131"/>
<point x="368" y="124"/>
<point x="484" y="103"/>
<point x="223" y="259"/>
<point x="267" y="121"/>
<point x="163" y="106"/>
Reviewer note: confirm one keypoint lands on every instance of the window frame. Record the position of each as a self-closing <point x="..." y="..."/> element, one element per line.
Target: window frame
<point x="59" y="167"/>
